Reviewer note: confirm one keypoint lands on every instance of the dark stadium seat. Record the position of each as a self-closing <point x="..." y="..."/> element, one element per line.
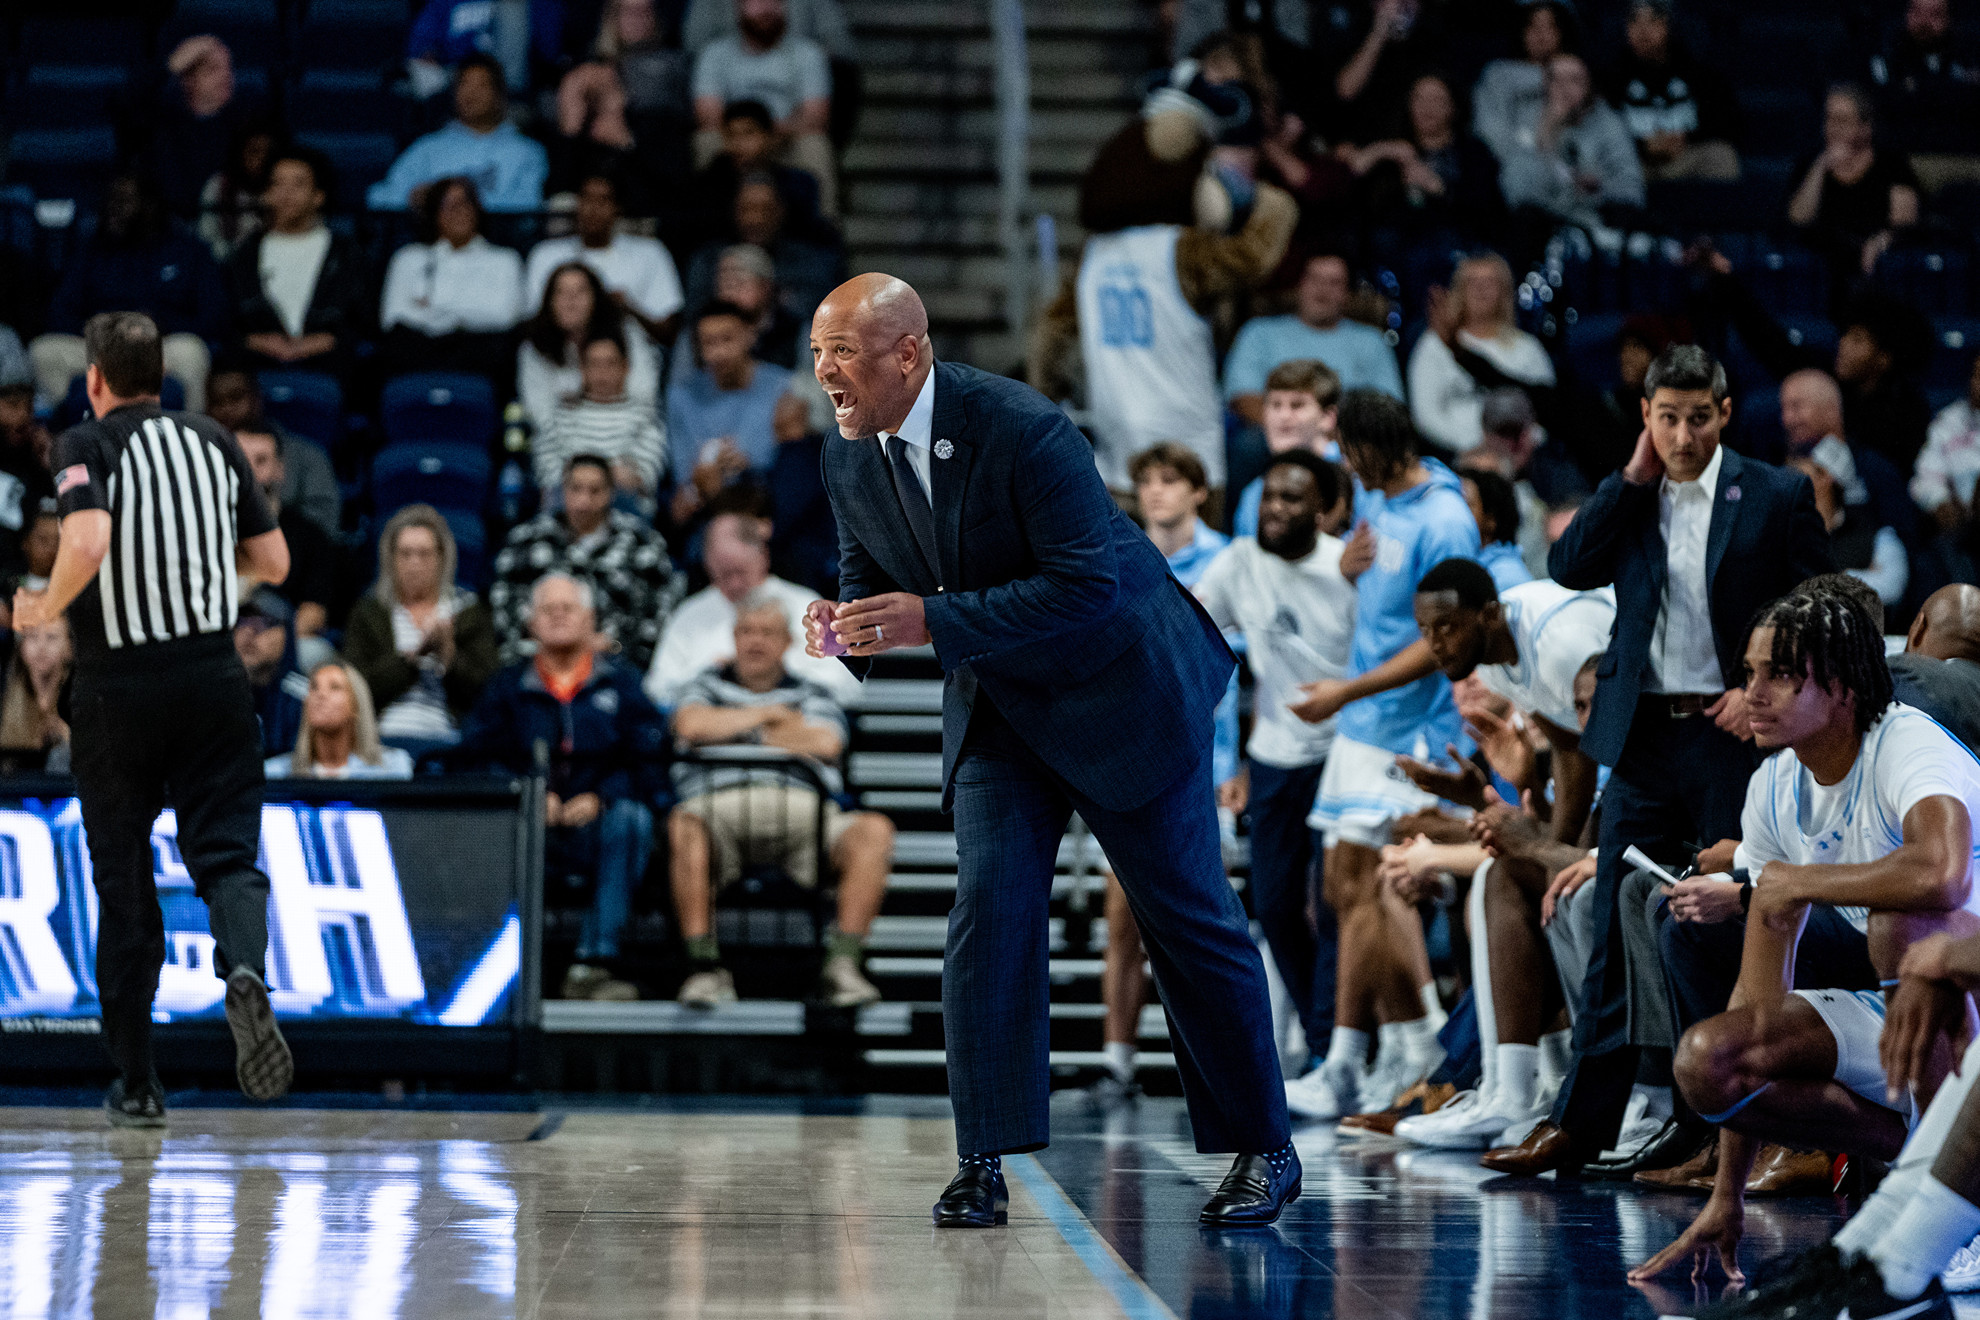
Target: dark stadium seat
<point x="1937" y="280"/>
<point x="309" y="403"/>
<point x="1757" y="424"/>
<point x="1955" y="340"/>
<point x="1591" y="346"/>
<point x="248" y="27"/>
<point x="470" y="548"/>
<point x="447" y="476"/>
<point x="343" y="101"/>
<point x="1786" y="277"/>
<point x="445" y="407"/>
<point x="359" y="160"/>
<point x="67" y="96"/>
<point x="119" y="41"/>
<point x="352" y="34"/>
<point x="64" y="162"/>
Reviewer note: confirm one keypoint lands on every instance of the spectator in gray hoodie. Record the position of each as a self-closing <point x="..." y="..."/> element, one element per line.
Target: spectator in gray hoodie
<point x="1577" y="161"/>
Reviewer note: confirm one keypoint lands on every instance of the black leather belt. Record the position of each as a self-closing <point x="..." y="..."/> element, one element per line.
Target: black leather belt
<point x="1679" y="705"/>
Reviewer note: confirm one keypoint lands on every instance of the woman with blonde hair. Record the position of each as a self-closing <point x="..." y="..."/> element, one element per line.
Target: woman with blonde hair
<point x="33" y="734"/>
<point x="1472" y="345"/>
<point x="339" y="737"/>
<point x="423" y="645"/>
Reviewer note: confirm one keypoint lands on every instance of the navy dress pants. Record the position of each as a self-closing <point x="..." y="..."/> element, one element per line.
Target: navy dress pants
<point x="1011" y="810"/>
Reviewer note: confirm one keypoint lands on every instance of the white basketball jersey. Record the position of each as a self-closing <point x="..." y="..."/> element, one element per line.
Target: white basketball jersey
<point x="1151" y="368"/>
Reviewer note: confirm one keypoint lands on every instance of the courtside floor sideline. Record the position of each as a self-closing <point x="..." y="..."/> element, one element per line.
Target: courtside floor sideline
<point x="785" y="1209"/>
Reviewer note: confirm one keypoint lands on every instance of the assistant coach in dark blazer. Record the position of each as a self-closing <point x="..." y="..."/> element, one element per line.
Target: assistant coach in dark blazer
<point x="1694" y="539"/>
<point x="1078" y="676"/>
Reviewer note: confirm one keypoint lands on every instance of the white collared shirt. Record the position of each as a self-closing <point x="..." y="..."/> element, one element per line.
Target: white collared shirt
<point x="919" y="432"/>
<point x="1683" y="657"/>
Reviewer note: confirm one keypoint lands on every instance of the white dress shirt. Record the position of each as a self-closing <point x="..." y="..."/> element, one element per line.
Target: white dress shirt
<point x="1683" y="657"/>
<point x="437" y="288"/>
<point x="919" y="433"/>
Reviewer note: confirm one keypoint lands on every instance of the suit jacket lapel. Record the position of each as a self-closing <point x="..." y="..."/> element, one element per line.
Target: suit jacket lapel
<point x="1725" y="512"/>
<point x="951" y="474"/>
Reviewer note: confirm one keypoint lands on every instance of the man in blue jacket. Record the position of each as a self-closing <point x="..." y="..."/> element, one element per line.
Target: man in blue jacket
<point x="1695" y="539"/>
<point x="481" y="144"/>
<point x="1079" y="676"/>
<point x="607" y="746"/>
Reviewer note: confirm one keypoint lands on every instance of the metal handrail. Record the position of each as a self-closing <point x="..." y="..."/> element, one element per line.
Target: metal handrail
<point x="1013" y="159"/>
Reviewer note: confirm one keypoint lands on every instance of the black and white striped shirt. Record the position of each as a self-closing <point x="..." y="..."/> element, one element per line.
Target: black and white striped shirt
<point x="181" y="498"/>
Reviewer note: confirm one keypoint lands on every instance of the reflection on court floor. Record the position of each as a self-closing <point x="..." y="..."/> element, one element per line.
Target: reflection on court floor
<point x="771" y="1209"/>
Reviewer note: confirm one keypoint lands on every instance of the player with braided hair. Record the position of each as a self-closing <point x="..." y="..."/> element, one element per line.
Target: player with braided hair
<point x="1867" y="806"/>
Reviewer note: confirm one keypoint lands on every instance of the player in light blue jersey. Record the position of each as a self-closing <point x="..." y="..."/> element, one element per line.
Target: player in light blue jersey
<point x="1412" y="515"/>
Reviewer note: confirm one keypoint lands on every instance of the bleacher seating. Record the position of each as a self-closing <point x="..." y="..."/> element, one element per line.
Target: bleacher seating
<point x="310" y="403"/>
<point x="439" y="407"/>
<point x="452" y="477"/>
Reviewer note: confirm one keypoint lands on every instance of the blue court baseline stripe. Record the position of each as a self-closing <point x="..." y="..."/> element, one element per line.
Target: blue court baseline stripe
<point x="1136" y="1299"/>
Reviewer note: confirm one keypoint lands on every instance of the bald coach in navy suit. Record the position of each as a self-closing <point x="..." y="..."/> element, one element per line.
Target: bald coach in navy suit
<point x="1079" y="675"/>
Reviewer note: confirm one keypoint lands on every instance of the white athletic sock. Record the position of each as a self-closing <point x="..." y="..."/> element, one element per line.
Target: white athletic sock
<point x="1433" y="1005"/>
<point x="1933" y="1227"/>
<point x="1914" y="1163"/>
<point x="1481" y="982"/>
<point x="1120" y="1059"/>
<point x="1391" y="1044"/>
<point x="1519" y="1068"/>
<point x="1556" y="1057"/>
<point x="1421" y="1052"/>
<point x="1656" y="1100"/>
<point x="1347" y="1050"/>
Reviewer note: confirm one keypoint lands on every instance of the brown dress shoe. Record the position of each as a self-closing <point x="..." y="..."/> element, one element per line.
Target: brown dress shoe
<point x="1694" y="1175"/>
<point x="1422" y="1098"/>
<point x="1778" y="1171"/>
<point x="1546" y="1147"/>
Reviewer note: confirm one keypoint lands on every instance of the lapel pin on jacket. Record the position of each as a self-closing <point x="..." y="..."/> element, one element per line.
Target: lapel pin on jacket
<point x="1732" y="494"/>
<point x="943" y="449"/>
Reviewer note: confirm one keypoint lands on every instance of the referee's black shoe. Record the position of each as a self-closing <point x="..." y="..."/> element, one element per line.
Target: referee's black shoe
<point x="135" y="1106"/>
<point x="262" y="1060"/>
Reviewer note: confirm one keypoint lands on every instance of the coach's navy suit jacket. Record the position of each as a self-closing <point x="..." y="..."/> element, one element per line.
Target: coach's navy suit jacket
<point x="1766" y="538"/>
<point x="1049" y="598"/>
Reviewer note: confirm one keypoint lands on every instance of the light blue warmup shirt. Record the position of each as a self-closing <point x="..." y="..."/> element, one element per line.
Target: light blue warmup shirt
<point x="1188" y="564"/>
<point x="1414" y="531"/>
<point x="1507" y="567"/>
<point x="1359" y="354"/>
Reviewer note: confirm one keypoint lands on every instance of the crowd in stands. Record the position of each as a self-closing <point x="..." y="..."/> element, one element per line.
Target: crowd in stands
<point x="600" y="241"/>
<point x="1449" y="352"/>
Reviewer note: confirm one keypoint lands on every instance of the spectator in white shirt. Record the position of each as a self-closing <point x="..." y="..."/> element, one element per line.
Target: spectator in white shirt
<point x="789" y="74"/>
<point x="701" y="633"/>
<point x="301" y="293"/>
<point x="1942" y="481"/>
<point x="637" y="273"/>
<point x="1471" y="334"/>
<point x="450" y="304"/>
<point x="575" y="310"/>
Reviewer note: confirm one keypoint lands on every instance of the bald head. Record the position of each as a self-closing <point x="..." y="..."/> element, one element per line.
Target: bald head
<point x="870" y="350"/>
<point x="1948" y="625"/>
<point x="1811" y="407"/>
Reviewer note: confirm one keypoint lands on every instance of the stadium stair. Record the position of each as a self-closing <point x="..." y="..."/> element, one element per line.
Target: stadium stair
<point x="919" y="176"/>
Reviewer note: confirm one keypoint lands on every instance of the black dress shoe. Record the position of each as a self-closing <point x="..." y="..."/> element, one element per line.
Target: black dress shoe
<point x="976" y="1199"/>
<point x="1251" y="1195"/>
<point x="1674" y="1143"/>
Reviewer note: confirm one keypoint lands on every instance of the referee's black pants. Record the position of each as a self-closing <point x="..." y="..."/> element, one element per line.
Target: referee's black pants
<point x="176" y="729"/>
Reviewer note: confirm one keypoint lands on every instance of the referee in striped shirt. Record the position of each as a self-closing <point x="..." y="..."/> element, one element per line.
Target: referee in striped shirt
<point x="160" y="515"/>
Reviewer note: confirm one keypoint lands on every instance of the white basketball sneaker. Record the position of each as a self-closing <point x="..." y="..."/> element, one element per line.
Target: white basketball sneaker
<point x="1325" y="1094"/>
<point x="1477" y="1126"/>
<point x="1962" y="1272"/>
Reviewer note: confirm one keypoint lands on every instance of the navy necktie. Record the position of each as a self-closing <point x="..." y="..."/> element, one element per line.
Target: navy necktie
<point x="915" y="504"/>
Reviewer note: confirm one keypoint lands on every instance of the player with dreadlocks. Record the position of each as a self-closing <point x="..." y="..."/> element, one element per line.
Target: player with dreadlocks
<point x="1867" y="806"/>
